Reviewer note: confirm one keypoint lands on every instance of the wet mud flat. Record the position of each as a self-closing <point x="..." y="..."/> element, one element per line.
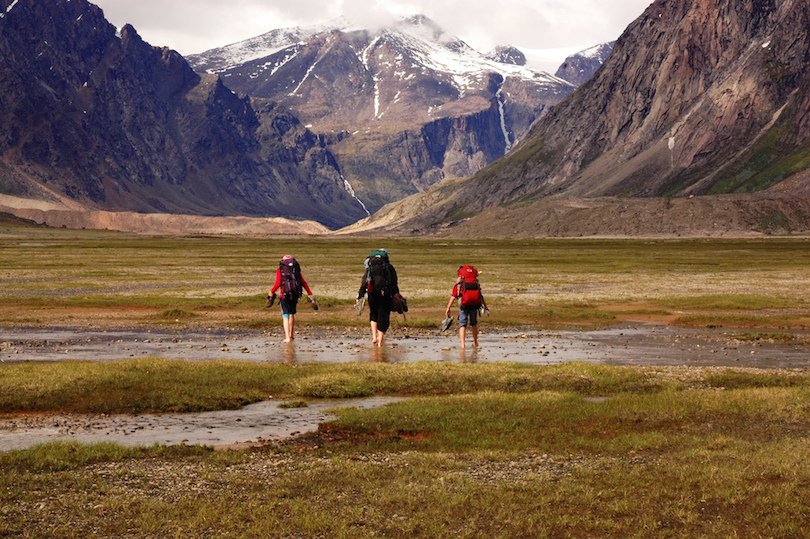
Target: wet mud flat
<point x="256" y="423"/>
<point x="631" y="345"/>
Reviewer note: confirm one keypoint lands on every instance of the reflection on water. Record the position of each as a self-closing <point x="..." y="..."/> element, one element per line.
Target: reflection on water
<point x="468" y="355"/>
<point x="288" y="355"/>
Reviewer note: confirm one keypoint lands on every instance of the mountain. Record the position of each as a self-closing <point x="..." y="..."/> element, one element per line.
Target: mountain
<point x="507" y="54"/>
<point x="401" y="107"/>
<point x="697" y="98"/>
<point x="100" y="118"/>
<point x="582" y="66"/>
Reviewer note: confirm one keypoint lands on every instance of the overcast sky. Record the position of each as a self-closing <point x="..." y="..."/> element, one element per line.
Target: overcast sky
<point x="548" y="30"/>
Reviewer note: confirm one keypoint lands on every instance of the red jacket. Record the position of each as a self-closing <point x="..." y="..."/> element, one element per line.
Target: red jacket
<point x="277" y="285"/>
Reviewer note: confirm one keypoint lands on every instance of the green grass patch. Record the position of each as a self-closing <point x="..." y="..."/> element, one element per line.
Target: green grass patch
<point x="60" y="456"/>
<point x="771" y="337"/>
<point x="177" y="314"/>
<point x="564" y="422"/>
<point x="156" y="385"/>
<point x="293" y="404"/>
<point x="720" y="320"/>
<point x="731" y="302"/>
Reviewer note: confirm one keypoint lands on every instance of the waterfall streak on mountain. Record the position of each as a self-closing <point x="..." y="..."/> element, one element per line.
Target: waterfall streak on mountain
<point x="499" y="97"/>
<point x="350" y="190"/>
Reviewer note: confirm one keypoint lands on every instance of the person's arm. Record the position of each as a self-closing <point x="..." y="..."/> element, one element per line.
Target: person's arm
<point x="277" y="283"/>
<point x="453" y="297"/>
<point x="363" y="286"/>
<point x="449" y="305"/>
<point x="306" y="286"/>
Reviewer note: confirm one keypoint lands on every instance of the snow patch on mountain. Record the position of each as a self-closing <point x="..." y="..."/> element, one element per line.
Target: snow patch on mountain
<point x="434" y="49"/>
<point x="224" y="58"/>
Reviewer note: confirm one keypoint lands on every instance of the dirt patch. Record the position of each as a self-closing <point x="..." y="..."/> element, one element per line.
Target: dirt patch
<point x="56" y="216"/>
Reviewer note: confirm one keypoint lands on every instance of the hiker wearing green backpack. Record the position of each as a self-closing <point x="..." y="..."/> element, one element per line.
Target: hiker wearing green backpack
<point x="290" y="284"/>
<point x="380" y="283"/>
<point x="467" y="291"/>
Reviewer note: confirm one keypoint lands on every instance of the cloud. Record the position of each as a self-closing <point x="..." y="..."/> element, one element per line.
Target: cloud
<point x="368" y="14"/>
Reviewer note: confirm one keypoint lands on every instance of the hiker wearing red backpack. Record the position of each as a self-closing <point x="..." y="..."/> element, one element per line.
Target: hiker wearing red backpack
<point x="291" y="284"/>
<point x="381" y="284"/>
<point x="467" y="291"/>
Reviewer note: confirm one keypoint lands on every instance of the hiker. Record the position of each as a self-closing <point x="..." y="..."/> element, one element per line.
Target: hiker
<point x="380" y="283"/>
<point x="467" y="291"/>
<point x="292" y="284"/>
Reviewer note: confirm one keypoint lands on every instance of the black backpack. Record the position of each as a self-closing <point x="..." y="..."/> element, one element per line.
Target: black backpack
<point x="379" y="274"/>
<point x="291" y="286"/>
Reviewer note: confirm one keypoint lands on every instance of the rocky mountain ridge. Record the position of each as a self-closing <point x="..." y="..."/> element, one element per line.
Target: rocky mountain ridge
<point x="100" y="118"/>
<point x="401" y="107"/>
<point x="579" y="68"/>
<point x="697" y="98"/>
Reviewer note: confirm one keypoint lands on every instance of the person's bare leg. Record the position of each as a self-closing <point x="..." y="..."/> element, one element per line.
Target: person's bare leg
<point x="380" y="337"/>
<point x="462" y="336"/>
<point x="292" y="327"/>
<point x="286" y="323"/>
<point x="374" y="332"/>
<point x="475" y="335"/>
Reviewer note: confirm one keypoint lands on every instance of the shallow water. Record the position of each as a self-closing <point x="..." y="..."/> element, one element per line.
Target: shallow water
<point x="259" y="422"/>
<point x="638" y="345"/>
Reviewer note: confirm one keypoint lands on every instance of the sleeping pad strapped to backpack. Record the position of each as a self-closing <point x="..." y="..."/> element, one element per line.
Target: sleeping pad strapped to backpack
<point x="379" y="273"/>
<point x="291" y="286"/>
<point x="469" y="290"/>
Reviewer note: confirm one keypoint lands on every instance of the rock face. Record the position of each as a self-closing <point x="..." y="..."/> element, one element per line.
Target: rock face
<point x="402" y="107"/>
<point x="698" y="97"/>
<point x="508" y="55"/>
<point x="105" y="119"/>
<point x="582" y="66"/>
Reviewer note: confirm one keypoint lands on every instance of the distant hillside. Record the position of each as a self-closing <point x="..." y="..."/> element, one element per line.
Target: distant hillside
<point x="100" y="118"/>
<point x="696" y="98"/>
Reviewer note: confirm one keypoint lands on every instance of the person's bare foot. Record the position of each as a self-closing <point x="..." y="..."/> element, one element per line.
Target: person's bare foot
<point x="286" y="340"/>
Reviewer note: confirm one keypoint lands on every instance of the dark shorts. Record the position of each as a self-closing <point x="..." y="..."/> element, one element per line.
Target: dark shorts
<point x="379" y="310"/>
<point x="467" y="317"/>
<point x="288" y="306"/>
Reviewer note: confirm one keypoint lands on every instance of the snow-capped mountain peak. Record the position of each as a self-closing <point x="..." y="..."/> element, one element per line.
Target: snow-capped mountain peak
<point x="435" y="48"/>
<point x="402" y="106"/>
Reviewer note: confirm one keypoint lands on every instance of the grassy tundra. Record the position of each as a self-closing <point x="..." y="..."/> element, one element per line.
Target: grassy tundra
<point x="63" y="277"/>
<point x="477" y="450"/>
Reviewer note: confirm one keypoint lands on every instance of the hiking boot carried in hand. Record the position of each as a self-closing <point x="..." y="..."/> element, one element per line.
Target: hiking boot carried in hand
<point x="446" y="323"/>
<point x="270" y="301"/>
<point x="314" y="303"/>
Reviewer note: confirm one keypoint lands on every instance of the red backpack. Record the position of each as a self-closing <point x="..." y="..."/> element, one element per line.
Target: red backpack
<point x="291" y="286"/>
<point x="469" y="290"/>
